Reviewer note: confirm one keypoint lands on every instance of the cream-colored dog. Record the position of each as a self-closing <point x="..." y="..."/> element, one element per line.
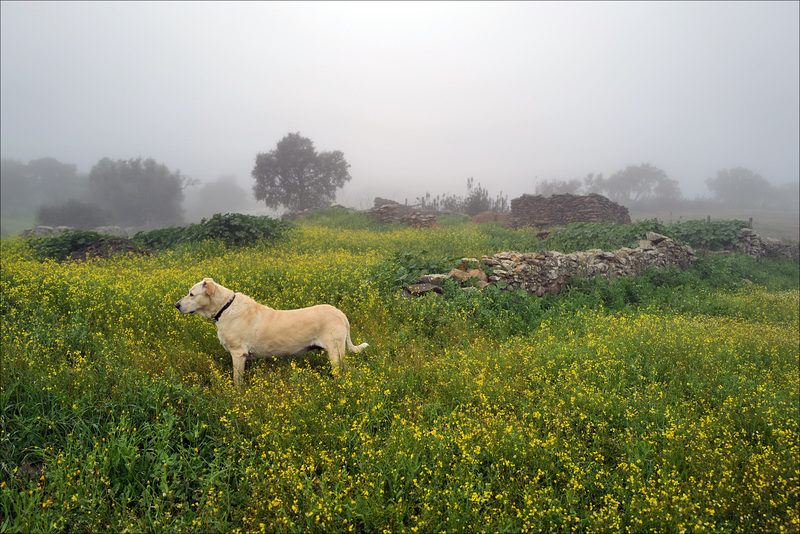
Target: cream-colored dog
<point x="245" y="326"/>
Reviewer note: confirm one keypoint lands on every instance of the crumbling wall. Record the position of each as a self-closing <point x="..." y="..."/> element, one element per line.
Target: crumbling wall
<point x="549" y="272"/>
<point x="389" y="211"/>
<point x="537" y="210"/>
<point x="754" y="245"/>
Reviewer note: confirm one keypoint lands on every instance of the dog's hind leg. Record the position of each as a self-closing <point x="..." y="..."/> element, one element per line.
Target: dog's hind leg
<point x="335" y="350"/>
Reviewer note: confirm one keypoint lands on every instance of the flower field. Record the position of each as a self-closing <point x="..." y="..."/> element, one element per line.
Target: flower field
<point x="668" y="403"/>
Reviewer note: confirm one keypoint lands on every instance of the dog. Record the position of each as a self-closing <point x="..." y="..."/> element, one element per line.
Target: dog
<point x="245" y="326"/>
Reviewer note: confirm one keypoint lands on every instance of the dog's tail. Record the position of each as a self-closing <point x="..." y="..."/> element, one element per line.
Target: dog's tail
<point x="356" y="348"/>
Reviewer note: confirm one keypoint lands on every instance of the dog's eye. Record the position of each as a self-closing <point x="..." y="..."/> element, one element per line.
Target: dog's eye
<point x="191" y="294"/>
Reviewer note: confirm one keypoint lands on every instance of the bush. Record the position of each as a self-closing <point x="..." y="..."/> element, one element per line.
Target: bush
<point x="63" y="246"/>
<point x="403" y="268"/>
<point x="604" y="235"/>
<point x="80" y="215"/>
<point x="715" y="235"/>
<point x="231" y="228"/>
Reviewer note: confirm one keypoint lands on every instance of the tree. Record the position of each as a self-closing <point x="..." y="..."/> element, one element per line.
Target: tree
<point x="294" y="175"/>
<point x="25" y="186"/>
<point x="591" y="183"/>
<point x="17" y="192"/>
<point x="139" y="192"/>
<point x="787" y="196"/>
<point x="739" y="187"/>
<point x="552" y="187"/>
<point x="640" y="183"/>
<point x="55" y="181"/>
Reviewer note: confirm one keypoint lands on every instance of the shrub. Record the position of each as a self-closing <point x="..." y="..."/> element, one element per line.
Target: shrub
<point x="714" y="235"/>
<point x="80" y="215"/>
<point x="404" y="268"/>
<point x="231" y="228"/>
<point x="63" y="246"/>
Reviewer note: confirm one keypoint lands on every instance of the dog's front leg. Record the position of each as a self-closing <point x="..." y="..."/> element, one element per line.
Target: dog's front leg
<point x="239" y="359"/>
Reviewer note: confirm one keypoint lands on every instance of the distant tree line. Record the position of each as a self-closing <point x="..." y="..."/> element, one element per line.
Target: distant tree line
<point x="134" y="192"/>
<point x="647" y="185"/>
<point x="145" y="193"/>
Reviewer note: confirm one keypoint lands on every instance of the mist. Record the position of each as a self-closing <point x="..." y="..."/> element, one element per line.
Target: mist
<point x="418" y="96"/>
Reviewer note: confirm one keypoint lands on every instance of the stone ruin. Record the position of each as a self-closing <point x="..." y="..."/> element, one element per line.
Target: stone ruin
<point x="549" y="272"/>
<point x="769" y="247"/>
<point x="537" y="210"/>
<point x="389" y="211"/>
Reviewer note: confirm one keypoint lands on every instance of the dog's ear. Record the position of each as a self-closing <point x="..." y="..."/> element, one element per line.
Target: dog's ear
<point x="209" y="285"/>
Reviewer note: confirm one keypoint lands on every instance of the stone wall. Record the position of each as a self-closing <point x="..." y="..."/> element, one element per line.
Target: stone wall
<point x="389" y="211"/>
<point x="537" y="210"/>
<point x="754" y="245"/>
<point x="549" y="272"/>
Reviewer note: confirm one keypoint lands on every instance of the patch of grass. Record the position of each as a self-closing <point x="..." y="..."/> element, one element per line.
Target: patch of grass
<point x="664" y="402"/>
<point x="343" y="219"/>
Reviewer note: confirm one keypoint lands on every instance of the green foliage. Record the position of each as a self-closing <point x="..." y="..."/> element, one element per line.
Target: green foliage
<point x="343" y="219"/>
<point x="700" y="234"/>
<point x="63" y="246"/>
<point x="122" y="445"/>
<point x="231" y="229"/>
<point x="162" y="238"/>
<point x="663" y="402"/>
<point x="714" y="235"/>
<point x="403" y="268"/>
<point x="237" y="228"/>
<point x="605" y="235"/>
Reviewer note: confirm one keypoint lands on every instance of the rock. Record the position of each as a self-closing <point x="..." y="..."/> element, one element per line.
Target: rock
<point x="422" y="289"/>
<point x="433" y="279"/>
<point x="655" y="238"/>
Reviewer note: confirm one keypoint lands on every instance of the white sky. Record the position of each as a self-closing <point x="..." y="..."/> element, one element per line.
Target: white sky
<point x="419" y="96"/>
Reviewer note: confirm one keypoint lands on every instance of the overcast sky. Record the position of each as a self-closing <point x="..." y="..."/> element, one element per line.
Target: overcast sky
<point x="419" y="96"/>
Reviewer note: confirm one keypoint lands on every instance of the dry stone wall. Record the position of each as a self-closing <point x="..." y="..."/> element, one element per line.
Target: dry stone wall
<point x="754" y="245"/>
<point x="549" y="272"/>
<point x="537" y="210"/>
<point x="389" y="211"/>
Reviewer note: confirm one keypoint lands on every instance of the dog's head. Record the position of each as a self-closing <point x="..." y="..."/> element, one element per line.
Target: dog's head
<point x="202" y="299"/>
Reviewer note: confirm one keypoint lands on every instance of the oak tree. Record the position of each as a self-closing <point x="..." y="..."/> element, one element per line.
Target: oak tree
<point x="296" y="176"/>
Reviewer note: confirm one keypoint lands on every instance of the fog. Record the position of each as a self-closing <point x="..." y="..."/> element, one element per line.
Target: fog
<point x="418" y="96"/>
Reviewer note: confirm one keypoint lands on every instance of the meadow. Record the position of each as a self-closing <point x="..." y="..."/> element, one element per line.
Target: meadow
<point x="662" y="403"/>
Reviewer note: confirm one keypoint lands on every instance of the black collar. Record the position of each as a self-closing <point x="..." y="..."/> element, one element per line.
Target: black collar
<point x="219" y="313"/>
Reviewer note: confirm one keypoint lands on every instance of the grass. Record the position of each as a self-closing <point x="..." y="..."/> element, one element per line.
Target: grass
<point x="662" y="403"/>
